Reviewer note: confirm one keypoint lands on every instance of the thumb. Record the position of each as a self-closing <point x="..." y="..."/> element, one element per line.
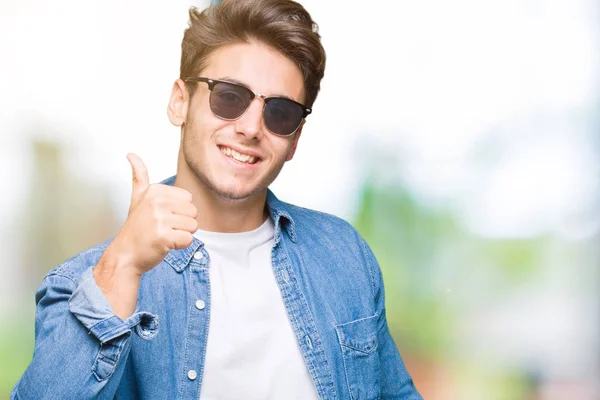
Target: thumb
<point x="140" y="178"/>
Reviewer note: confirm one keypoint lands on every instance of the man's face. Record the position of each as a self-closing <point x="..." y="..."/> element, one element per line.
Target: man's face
<point x="208" y="140"/>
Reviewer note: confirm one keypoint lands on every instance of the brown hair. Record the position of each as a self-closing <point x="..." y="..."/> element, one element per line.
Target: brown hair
<point x="282" y="24"/>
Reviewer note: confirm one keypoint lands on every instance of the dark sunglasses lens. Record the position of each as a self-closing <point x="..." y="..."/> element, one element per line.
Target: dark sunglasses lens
<point x="229" y="101"/>
<point x="283" y="116"/>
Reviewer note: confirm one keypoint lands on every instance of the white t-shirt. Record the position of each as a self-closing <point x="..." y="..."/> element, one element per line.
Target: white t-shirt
<point x="252" y="351"/>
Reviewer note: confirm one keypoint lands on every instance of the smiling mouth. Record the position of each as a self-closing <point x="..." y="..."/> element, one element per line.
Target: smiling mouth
<point x="243" y="158"/>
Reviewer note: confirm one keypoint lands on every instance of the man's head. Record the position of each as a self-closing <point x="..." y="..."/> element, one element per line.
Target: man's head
<point x="270" y="47"/>
<point x="281" y="24"/>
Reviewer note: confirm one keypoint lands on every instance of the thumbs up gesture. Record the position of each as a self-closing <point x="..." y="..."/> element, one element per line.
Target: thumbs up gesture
<point x="161" y="218"/>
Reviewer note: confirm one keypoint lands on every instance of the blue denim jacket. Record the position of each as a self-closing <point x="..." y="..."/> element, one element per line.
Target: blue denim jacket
<point x="330" y="283"/>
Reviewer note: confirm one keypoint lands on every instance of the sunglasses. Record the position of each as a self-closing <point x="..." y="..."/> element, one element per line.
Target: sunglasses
<point x="229" y="101"/>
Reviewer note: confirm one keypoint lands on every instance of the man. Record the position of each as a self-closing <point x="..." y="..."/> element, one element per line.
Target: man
<point x="214" y="288"/>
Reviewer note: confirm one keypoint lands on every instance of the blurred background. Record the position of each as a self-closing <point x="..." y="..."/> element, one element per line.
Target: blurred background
<point x="461" y="138"/>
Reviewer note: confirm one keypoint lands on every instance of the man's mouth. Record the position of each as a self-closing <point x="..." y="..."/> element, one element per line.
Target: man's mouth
<point x="241" y="157"/>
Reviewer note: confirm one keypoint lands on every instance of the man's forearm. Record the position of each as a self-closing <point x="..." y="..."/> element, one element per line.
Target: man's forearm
<point x="119" y="282"/>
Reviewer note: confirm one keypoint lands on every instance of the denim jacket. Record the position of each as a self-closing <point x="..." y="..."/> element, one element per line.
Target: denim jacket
<point x="330" y="283"/>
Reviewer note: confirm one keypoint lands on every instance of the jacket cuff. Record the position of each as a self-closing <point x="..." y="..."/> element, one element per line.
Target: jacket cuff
<point x="89" y="305"/>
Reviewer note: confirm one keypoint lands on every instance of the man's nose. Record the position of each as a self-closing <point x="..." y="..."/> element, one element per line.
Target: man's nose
<point x="250" y="124"/>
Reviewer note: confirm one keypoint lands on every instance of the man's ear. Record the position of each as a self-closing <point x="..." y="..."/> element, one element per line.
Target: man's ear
<point x="178" y="103"/>
<point x="295" y="143"/>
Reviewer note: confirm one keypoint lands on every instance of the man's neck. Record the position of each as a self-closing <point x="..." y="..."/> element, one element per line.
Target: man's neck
<point x="218" y="214"/>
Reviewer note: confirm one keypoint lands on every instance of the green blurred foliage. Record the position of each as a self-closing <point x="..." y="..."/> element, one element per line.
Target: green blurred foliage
<point x="405" y="237"/>
<point x="434" y="269"/>
<point x="16" y="348"/>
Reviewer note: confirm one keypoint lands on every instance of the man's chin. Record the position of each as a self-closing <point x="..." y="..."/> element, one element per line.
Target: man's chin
<point x="227" y="189"/>
<point x="236" y="194"/>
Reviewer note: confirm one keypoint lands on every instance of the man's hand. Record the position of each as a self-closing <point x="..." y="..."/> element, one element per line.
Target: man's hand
<point x="161" y="218"/>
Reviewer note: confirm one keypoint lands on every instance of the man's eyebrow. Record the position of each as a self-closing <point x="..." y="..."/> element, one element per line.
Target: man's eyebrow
<point x="238" y="82"/>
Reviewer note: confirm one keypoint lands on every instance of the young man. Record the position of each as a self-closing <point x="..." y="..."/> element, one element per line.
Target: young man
<point x="214" y="288"/>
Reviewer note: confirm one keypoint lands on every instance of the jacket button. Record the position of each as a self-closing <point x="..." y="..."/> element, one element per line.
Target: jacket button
<point x="200" y="305"/>
<point x="198" y="255"/>
<point x="192" y="374"/>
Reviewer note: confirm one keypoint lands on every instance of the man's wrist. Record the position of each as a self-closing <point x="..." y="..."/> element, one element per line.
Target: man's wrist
<point x="119" y="281"/>
<point x="115" y="263"/>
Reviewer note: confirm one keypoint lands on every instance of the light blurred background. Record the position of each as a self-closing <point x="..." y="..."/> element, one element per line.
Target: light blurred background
<point x="461" y="138"/>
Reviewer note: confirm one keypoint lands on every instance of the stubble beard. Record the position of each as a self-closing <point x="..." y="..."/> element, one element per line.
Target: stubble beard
<point x="231" y="195"/>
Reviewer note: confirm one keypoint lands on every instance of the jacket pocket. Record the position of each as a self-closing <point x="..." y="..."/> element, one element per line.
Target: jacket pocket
<point x="358" y="341"/>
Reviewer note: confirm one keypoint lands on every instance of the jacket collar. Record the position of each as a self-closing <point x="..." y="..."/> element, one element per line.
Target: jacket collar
<point x="279" y="211"/>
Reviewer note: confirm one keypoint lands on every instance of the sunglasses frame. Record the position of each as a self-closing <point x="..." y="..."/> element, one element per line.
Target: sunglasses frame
<point x="212" y="82"/>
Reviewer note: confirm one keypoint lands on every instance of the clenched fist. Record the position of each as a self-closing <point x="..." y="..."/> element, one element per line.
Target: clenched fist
<point x="161" y="218"/>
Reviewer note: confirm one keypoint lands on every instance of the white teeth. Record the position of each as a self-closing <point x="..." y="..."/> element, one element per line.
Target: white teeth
<point x="238" y="156"/>
<point x="245" y="158"/>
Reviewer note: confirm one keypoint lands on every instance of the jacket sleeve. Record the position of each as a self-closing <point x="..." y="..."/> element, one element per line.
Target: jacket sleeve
<point x="396" y="382"/>
<point x="81" y="346"/>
